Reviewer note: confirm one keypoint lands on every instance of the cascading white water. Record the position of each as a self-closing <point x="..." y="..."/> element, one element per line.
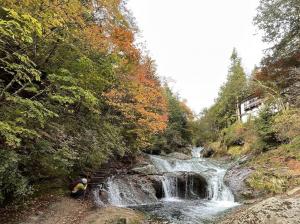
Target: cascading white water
<point x="114" y="196"/>
<point x="214" y="175"/>
<point x="169" y="184"/>
<point x="183" y="201"/>
<point x="197" y="152"/>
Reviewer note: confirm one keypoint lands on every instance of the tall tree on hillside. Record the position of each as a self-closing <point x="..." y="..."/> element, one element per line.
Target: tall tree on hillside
<point x="231" y="93"/>
<point x="280" y="22"/>
<point x="224" y="111"/>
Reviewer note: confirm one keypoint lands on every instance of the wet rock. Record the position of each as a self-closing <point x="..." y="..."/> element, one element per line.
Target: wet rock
<point x="104" y="196"/>
<point x="157" y="185"/>
<point x="186" y="150"/>
<point x="96" y="198"/>
<point x="132" y="190"/>
<point x="147" y="169"/>
<point x="207" y="152"/>
<point x="274" y="210"/>
<point x="235" y="180"/>
<point x="191" y="185"/>
<point x="180" y="156"/>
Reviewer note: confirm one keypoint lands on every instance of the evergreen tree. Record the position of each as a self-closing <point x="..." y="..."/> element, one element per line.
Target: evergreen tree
<point x="224" y="112"/>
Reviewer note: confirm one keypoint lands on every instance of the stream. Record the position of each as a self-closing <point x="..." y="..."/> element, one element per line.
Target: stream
<point x="192" y="191"/>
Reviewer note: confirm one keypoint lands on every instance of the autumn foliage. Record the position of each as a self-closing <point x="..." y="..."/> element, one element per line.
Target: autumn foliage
<point x="75" y="91"/>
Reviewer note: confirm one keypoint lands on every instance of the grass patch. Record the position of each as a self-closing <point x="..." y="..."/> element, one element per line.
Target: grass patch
<point x="276" y="170"/>
<point x="269" y="182"/>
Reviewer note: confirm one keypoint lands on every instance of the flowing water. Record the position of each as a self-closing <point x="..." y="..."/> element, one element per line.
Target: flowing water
<point x="193" y="191"/>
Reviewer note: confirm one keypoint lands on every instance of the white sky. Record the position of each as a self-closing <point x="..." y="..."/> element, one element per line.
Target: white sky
<point x="192" y="40"/>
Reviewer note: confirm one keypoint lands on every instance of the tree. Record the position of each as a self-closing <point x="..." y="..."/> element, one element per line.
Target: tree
<point x="178" y="133"/>
<point x="231" y="93"/>
<point x="223" y="113"/>
<point x="141" y="105"/>
<point x="280" y="19"/>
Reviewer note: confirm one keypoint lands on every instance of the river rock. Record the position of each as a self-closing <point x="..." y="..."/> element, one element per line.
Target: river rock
<point x="274" y="210"/>
<point x="180" y="156"/>
<point x="147" y="169"/>
<point x="191" y="185"/>
<point x="156" y="181"/>
<point x="207" y="152"/>
<point x="132" y="190"/>
<point x="235" y="180"/>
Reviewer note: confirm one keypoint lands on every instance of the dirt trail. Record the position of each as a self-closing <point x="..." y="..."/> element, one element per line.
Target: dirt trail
<point x="64" y="211"/>
<point x="69" y="211"/>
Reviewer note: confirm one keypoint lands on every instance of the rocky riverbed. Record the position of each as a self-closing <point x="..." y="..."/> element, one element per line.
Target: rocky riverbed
<point x="282" y="209"/>
<point x="174" y="189"/>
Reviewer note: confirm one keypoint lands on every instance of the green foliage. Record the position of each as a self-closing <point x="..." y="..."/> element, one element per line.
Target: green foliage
<point x="104" y="141"/>
<point x="13" y="185"/>
<point x="292" y="148"/>
<point x="65" y="91"/>
<point x="20" y="116"/>
<point x="50" y="161"/>
<point x="265" y="132"/>
<point x="224" y="112"/>
<point x="277" y="169"/>
<point x="205" y="128"/>
<point x="280" y="22"/>
<point x="286" y="124"/>
<point x="233" y="135"/>
<point x="178" y="134"/>
<point x="231" y="93"/>
<point x="75" y="92"/>
<point x="264" y="180"/>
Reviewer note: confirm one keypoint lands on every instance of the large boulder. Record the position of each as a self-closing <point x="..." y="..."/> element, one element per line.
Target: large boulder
<point x="156" y="181"/>
<point x="132" y="190"/>
<point x="274" y="210"/>
<point x="146" y="170"/>
<point x="235" y="179"/>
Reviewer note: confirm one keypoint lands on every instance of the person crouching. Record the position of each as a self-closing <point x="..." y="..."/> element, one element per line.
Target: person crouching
<point x="78" y="188"/>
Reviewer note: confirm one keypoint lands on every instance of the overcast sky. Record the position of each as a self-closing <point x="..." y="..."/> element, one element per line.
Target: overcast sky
<point x="192" y="40"/>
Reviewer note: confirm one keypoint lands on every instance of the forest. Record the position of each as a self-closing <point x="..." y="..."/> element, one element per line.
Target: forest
<point x="76" y="91"/>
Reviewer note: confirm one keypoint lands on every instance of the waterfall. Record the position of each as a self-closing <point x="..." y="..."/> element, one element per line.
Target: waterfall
<point x="183" y="191"/>
<point x="130" y="190"/>
<point x="96" y="197"/>
<point x="114" y="196"/>
<point x="197" y="152"/>
<point x="169" y="184"/>
<point x="217" y="190"/>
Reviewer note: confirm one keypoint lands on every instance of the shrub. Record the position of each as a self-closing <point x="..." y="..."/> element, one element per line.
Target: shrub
<point x="269" y="182"/>
<point x="13" y="185"/>
<point x="287" y="124"/>
<point x="217" y="148"/>
<point x="266" y="136"/>
<point x="233" y="135"/>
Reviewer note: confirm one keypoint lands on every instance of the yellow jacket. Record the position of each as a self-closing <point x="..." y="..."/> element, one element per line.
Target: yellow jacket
<point x="78" y="187"/>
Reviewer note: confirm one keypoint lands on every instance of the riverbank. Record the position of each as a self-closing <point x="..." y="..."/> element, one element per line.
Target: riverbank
<point x="165" y="187"/>
<point x="284" y="208"/>
<point x="65" y="210"/>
